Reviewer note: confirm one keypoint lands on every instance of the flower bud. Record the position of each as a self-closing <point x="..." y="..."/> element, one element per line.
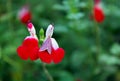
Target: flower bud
<point x="24" y="15"/>
<point x="98" y="13"/>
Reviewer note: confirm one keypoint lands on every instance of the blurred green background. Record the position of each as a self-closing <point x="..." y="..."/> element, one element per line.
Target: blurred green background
<point x="92" y="49"/>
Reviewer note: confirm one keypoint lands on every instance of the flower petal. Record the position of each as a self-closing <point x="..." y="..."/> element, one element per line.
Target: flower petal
<point x="47" y="45"/>
<point x="30" y="41"/>
<point x="45" y="57"/>
<point x="21" y="50"/>
<point x="31" y="29"/>
<point x="54" y="44"/>
<point x="49" y="31"/>
<point x="33" y="53"/>
<point x="58" y="55"/>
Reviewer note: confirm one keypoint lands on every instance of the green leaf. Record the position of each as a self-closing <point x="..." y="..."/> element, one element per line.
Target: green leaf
<point x="115" y="49"/>
<point x="108" y="59"/>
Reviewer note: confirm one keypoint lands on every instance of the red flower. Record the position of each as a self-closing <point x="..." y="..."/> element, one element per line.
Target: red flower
<point x="28" y="49"/>
<point x="56" y="56"/>
<point x="24" y="15"/>
<point x="50" y="51"/>
<point x="98" y="13"/>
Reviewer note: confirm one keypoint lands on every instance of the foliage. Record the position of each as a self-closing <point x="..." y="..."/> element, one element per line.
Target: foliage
<point x="92" y="49"/>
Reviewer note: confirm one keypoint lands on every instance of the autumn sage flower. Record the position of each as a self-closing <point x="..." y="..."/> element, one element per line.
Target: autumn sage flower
<point x="50" y="51"/>
<point x="24" y="14"/>
<point x="29" y="47"/>
<point x="98" y="13"/>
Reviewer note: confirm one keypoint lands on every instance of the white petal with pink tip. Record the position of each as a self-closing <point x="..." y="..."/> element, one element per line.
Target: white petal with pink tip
<point x="49" y="31"/>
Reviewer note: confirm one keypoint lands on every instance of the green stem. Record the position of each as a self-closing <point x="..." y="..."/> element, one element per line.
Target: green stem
<point x="97" y="33"/>
<point x="47" y="73"/>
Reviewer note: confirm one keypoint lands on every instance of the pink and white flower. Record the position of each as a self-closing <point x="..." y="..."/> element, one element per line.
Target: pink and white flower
<point x="50" y="51"/>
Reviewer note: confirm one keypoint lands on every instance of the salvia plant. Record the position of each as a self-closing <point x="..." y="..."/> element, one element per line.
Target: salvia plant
<point x="47" y="51"/>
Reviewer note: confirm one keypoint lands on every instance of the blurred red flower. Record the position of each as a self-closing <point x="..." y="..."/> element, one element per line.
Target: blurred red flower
<point x="25" y="15"/>
<point x="98" y="13"/>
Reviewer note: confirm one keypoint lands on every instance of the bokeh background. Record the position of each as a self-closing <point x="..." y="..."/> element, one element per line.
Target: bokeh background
<point x="92" y="49"/>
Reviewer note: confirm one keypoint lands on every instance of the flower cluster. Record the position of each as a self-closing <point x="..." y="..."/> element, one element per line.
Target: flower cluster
<point x="98" y="13"/>
<point x="49" y="50"/>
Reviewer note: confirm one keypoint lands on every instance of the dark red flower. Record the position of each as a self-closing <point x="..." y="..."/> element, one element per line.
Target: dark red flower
<point x="98" y="13"/>
<point x="28" y="49"/>
<point x="24" y="15"/>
